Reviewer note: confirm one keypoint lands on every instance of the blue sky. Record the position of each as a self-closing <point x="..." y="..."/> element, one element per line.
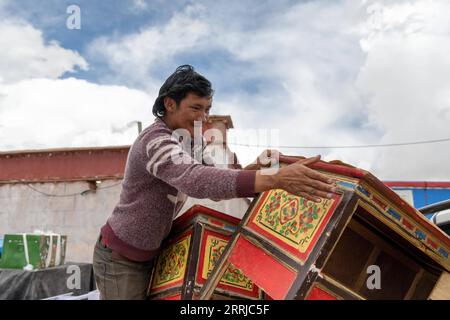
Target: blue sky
<point x="116" y="18"/>
<point x="99" y="18"/>
<point x="322" y="73"/>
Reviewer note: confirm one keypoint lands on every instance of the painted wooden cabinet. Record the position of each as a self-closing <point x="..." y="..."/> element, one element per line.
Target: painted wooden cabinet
<point x="197" y="240"/>
<point x="364" y="243"/>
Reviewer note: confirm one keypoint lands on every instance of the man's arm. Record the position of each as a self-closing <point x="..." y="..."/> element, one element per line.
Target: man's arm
<point x="167" y="161"/>
<point x="170" y="163"/>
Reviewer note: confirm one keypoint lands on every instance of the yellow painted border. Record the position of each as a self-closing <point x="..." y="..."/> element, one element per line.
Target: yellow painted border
<point x="156" y="282"/>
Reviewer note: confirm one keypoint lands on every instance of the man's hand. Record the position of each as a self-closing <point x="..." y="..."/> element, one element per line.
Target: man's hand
<point x="299" y="180"/>
<point x="264" y="160"/>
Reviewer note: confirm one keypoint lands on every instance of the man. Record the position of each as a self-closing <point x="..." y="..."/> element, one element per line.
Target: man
<point x="160" y="173"/>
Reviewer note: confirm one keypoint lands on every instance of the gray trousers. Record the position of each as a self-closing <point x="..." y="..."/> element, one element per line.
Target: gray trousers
<point x="117" y="277"/>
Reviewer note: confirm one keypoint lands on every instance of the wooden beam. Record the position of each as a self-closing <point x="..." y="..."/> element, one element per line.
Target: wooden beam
<point x="412" y="288"/>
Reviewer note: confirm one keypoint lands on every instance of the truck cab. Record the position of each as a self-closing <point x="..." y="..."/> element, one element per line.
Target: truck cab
<point x="441" y="214"/>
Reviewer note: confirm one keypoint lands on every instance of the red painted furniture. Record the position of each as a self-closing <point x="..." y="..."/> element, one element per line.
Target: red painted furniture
<point x="197" y="240"/>
<point x="364" y="243"/>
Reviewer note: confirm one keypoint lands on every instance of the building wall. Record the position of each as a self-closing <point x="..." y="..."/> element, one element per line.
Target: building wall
<point x="80" y="217"/>
<point x="23" y="209"/>
<point x="423" y="197"/>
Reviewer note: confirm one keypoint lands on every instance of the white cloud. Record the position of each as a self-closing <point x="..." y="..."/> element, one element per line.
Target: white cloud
<point x="139" y="5"/>
<point x="353" y="75"/>
<point x="406" y="76"/>
<point x="372" y="74"/>
<point x="25" y="54"/>
<point x="313" y="51"/>
<point x="133" y="57"/>
<point x="38" y="110"/>
<point x="43" y="113"/>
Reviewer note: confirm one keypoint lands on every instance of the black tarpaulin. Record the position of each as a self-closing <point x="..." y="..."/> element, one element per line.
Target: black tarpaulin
<point x="40" y="284"/>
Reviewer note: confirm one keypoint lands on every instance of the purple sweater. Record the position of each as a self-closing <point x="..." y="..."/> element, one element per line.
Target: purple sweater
<point x="154" y="189"/>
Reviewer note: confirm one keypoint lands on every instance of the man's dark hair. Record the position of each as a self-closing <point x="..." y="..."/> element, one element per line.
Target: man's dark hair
<point x="183" y="81"/>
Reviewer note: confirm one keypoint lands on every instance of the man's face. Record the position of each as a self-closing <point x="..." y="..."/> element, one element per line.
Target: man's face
<point x="192" y="108"/>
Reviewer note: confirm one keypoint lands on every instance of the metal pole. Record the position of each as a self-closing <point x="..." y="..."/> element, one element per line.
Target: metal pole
<point x="139" y="123"/>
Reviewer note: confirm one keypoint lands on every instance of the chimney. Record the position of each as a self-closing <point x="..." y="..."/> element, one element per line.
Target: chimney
<point x="221" y="123"/>
<point x="217" y="141"/>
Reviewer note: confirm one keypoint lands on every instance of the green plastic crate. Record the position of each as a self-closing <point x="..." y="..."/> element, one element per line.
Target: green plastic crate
<point x="43" y="251"/>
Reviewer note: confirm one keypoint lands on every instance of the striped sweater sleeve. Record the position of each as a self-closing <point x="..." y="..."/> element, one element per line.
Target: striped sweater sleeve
<point x="168" y="162"/>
